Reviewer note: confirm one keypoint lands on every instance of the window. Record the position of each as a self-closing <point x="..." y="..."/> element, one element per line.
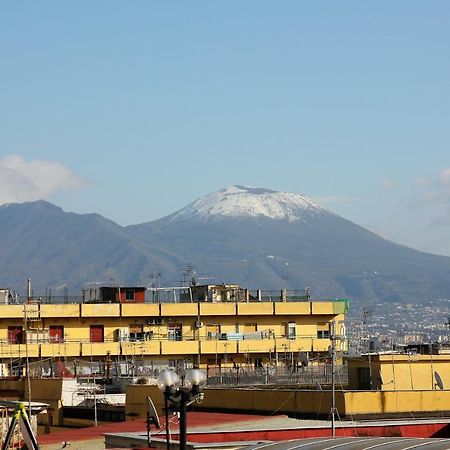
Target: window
<point x="291" y="330"/>
<point x="213" y="331"/>
<point x="15" y="334"/>
<point x="174" y="332"/>
<point x="323" y="330"/>
<point x="136" y="332"/>
<point x="364" y="378"/>
<point x="56" y="333"/>
<point x="129" y="295"/>
<point x="96" y="333"/>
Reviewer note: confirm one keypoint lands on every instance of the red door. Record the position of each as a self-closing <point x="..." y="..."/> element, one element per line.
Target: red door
<point x="15" y="334"/>
<point x="97" y="333"/>
<point x="56" y="333"/>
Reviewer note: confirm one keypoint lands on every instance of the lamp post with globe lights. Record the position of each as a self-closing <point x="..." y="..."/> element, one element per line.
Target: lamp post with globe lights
<point x="180" y="396"/>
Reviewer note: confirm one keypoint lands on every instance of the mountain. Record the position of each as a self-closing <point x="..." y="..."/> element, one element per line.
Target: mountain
<point x="56" y="248"/>
<point x="256" y="237"/>
<point x="266" y="239"/>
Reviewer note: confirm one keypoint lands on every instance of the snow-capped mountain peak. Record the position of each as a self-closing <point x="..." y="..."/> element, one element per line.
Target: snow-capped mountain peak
<point x="245" y="201"/>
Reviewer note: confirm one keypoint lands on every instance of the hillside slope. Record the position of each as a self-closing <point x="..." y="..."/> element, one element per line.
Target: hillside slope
<point x="259" y="238"/>
<point x="266" y="239"/>
<point x="54" y="248"/>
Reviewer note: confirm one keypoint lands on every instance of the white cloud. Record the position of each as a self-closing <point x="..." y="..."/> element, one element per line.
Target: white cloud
<point x="421" y="182"/>
<point x="436" y="193"/>
<point x="444" y="178"/>
<point x="388" y="184"/>
<point x="22" y="180"/>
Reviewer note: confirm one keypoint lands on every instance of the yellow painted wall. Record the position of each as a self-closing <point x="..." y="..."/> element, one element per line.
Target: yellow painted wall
<point x="293" y="308"/>
<point x="140" y="309"/>
<point x="402" y="372"/>
<point x="321" y="345"/>
<point x="10" y="311"/>
<point x="322" y="308"/>
<point x="294" y="345"/>
<point x="100" y="348"/>
<point x="76" y="320"/>
<point x="179" y="309"/>
<point x="244" y="309"/>
<point x="395" y="402"/>
<point x="141" y="348"/>
<point x="256" y="400"/>
<point x="71" y="349"/>
<point x="216" y="346"/>
<point x="415" y="371"/>
<point x="18" y="350"/>
<point x="42" y="390"/>
<point x="302" y="402"/>
<point x="179" y="347"/>
<point x="257" y="346"/>
<point x="60" y="310"/>
<point x="100" y="310"/>
<point x="217" y="309"/>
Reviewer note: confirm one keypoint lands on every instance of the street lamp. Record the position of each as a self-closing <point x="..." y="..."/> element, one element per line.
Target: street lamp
<point x="180" y="396"/>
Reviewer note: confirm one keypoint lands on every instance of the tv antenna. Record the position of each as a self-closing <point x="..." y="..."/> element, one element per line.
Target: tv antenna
<point x="154" y="278"/>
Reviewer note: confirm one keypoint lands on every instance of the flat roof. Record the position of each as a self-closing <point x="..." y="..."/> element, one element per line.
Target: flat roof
<point x="356" y="443"/>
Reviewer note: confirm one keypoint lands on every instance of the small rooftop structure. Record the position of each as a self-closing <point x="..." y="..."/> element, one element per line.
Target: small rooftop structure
<point x="114" y="294"/>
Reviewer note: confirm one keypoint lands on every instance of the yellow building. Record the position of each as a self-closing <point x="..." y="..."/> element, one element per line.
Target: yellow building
<point x="209" y="326"/>
<point x="399" y="371"/>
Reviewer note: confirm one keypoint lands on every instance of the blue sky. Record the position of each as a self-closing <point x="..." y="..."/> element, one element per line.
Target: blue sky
<point x="134" y="109"/>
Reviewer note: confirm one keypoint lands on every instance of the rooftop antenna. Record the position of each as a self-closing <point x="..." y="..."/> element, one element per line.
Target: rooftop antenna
<point x="307" y="292"/>
<point x="188" y="275"/>
<point x="194" y="278"/>
<point x="154" y="278"/>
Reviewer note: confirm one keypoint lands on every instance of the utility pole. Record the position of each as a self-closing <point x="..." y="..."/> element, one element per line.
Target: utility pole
<point x="333" y="379"/>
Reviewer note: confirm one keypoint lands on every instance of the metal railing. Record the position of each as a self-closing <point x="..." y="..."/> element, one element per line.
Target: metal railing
<point x="312" y="376"/>
<point x="169" y="296"/>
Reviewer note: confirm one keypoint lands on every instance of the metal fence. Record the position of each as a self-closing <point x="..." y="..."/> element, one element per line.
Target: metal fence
<point x="170" y="295"/>
<point x="312" y="376"/>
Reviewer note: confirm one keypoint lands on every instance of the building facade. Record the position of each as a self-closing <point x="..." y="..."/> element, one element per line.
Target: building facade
<point x="212" y="327"/>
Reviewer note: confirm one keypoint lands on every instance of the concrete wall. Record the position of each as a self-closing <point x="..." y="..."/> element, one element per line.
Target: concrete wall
<point x="401" y="372"/>
<point x="42" y="390"/>
<point x="305" y="403"/>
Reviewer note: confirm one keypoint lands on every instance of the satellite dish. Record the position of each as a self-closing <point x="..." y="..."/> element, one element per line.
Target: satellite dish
<point x="439" y="382"/>
<point x="152" y="415"/>
<point x="303" y="357"/>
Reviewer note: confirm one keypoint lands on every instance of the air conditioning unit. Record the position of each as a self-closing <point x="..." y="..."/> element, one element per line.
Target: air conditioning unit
<point x="199" y="324"/>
